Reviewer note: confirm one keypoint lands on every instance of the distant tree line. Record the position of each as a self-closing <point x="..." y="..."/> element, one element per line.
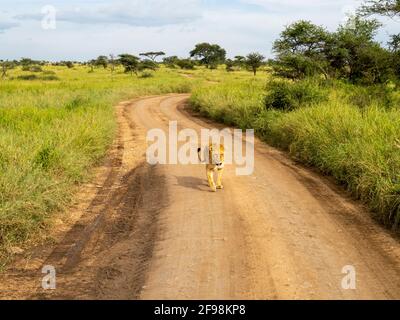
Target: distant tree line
<point x="302" y="50"/>
<point x="132" y="64"/>
<point x="204" y="54"/>
<point x="211" y="56"/>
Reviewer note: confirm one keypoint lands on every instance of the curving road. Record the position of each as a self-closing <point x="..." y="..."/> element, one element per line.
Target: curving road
<point x="157" y="232"/>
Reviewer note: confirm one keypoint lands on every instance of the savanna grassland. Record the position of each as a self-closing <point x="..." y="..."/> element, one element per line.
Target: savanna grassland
<point x="54" y="130"/>
<point x="54" y="126"/>
<point x="347" y="131"/>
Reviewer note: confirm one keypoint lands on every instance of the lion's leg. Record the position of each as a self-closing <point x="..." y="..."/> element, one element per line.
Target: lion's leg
<point x="210" y="177"/>
<point x="219" y="180"/>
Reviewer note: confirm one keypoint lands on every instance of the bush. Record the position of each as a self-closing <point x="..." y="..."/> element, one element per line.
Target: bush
<point x="36" y="69"/>
<point x="382" y="95"/>
<point x="31" y="77"/>
<point x="185" y="64"/>
<point x="77" y="102"/>
<point x="287" y="96"/>
<point x="146" y="75"/>
<point x="46" y="158"/>
<point x="230" y="65"/>
<point x="28" y="77"/>
<point x="32" y="68"/>
<point x="50" y="78"/>
<point x="296" y="67"/>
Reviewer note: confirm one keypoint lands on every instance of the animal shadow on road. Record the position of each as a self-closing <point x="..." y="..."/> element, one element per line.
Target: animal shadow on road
<point x="193" y="183"/>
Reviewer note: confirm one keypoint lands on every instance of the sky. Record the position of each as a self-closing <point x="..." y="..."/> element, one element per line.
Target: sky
<point x="81" y="30"/>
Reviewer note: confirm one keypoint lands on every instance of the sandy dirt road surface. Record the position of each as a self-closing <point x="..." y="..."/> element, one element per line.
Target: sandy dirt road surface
<point x="157" y="232"/>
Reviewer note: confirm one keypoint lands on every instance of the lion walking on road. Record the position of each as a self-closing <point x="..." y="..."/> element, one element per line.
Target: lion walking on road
<point x="214" y="157"/>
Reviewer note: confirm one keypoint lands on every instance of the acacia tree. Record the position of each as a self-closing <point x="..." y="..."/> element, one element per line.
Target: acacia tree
<point x="5" y="67"/>
<point x="354" y="52"/>
<point x="351" y="52"/>
<point x="389" y="8"/>
<point x="254" y="61"/>
<point x="301" y="37"/>
<point x="209" y="55"/>
<point x="153" y="55"/>
<point x="300" y="50"/>
<point x="112" y="62"/>
<point x="91" y="65"/>
<point x="27" y="62"/>
<point x="101" y="61"/>
<point x="240" y="61"/>
<point x="130" y="63"/>
<point x="171" y="62"/>
<point x="147" y="65"/>
<point x="394" y="45"/>
<point x="229" y="65"/>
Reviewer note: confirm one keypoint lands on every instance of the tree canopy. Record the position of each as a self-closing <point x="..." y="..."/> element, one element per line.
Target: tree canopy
<point x="208" y="54"/>
<point x="147" y="65"/>
<point x="389" y="8"/>
<point x="240" y="61"/>
<point x="171" y="61"/>
<point x="5" y="67"/>
<point x="351" y="52"/>
<point x="152" y="55"/>
<point x="254" y="61"/>
<point x="101" y="61"/>
<point x="129" y="62"/>
<point x="301" y="37"/>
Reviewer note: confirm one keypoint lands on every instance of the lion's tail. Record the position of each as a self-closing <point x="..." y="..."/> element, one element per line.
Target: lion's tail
<point x="199" y="154"/>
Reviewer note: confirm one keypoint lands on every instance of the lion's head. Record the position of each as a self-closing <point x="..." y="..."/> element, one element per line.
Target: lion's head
<point x="217" y="155"/>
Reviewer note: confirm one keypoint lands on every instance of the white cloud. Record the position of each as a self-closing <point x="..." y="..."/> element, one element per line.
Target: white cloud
<point x="4" y="25"/>
<point x="173" y="26"/>
<point x="283" y="5"/>
<point x="129" y="12"/>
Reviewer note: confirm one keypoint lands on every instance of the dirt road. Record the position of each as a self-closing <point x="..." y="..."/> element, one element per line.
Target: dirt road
<point x="157" y="232"/>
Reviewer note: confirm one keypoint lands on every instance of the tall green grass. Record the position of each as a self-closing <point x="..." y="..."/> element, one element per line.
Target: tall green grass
<point x="359" y="146"/>
<point x="52" y="133"/>
<point x="233" y="102"/>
